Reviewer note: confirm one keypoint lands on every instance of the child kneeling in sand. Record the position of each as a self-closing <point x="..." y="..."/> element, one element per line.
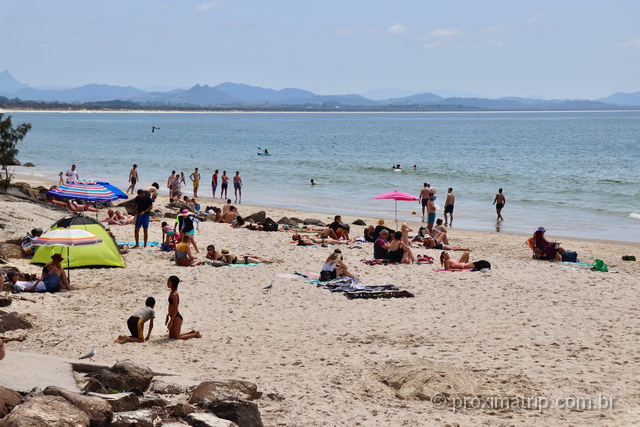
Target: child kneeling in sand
<point x="137" y="321"/>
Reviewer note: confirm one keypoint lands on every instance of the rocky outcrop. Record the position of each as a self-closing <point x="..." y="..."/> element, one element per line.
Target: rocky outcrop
<point x="212" y="390"/>
<point x="313" y="221"/>
<point x="241" y="412"/>
<point x="8" y="400"/>
<point x="141" y="418"/>
<point x="98" y="410"/>
<point x="119" y="402"/>
<point x="259" y="216"/>
<point x="135" y="375"/>
<point x="13" y="321"/>
<point x="208" y="420"/>
<point x="359" y="222"/>
<point x="54" y="411"/>
<point x="287" y="221"/>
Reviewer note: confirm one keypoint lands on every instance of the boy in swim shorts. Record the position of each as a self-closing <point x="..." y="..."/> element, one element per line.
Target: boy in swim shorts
<point x="431" y="213"/>
<point x="136" y="323"/>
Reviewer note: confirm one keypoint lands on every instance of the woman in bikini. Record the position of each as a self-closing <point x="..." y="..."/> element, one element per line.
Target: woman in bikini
<point x="184" y="257"/>
<point x="230" y="258"/>
<point x="463" y="263"/>
<point x="307" y="241"/>
<point x="174" y="318"/>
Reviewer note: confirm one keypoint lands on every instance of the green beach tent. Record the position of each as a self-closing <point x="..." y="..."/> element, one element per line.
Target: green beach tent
<point x="104" y="254"/>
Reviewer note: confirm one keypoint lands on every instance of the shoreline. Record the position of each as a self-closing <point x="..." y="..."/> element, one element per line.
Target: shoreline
<point x="369" y="219"/>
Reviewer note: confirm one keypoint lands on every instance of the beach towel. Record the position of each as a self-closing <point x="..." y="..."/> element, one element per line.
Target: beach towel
<point x="248" y="265"/>
<point x="134" y="243"/>
<point x="441" y="270"/>
<point x="376" y="295"/>
<point x="420" y="259"/>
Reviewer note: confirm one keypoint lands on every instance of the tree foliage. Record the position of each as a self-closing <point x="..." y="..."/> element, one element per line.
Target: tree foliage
<point x="9" y="138"/>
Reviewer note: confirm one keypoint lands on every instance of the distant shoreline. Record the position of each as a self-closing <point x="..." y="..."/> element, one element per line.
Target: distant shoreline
<point x="142" y="111"/>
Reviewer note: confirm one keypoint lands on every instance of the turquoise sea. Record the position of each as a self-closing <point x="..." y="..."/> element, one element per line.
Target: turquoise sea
<point x="575" y="173"/>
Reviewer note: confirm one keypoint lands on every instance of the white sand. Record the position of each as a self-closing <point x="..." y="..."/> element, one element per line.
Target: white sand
<point x="528" y="327"/>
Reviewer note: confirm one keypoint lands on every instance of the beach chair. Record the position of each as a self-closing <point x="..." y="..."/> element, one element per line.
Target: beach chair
<point x="537" y="253"/>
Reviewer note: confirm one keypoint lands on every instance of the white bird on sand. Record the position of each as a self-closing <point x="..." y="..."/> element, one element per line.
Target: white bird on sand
<point x="90" y="354"/>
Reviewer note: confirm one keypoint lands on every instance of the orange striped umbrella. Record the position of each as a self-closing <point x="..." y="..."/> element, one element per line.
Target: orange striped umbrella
<point x="67" y="237"/>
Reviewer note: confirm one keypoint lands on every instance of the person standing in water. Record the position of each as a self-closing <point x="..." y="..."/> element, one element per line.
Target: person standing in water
<point x="499" y="201"/>
<point x="133" y="178"/>
<point x="448" y="208"/>
<point x="237" y="187"/>
<point x="195" y="178"/>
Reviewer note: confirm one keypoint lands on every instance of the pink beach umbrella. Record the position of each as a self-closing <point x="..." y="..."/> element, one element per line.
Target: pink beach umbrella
<point x="397" y="195"/>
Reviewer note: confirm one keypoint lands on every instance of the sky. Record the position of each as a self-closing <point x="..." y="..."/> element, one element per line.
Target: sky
<point x="554" y="49"/>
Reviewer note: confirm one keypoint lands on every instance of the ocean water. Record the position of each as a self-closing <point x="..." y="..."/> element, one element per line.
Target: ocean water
<point x="575" y="173"/>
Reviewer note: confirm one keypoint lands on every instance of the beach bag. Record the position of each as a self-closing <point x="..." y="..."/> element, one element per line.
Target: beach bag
<point x="570" y="256"/>
<point x="270" y="225"/>
<point x="326" y="276"/>
<point x="599" y="265"/>
<point x="628" y="258"/>
<point x="481" y="265"/>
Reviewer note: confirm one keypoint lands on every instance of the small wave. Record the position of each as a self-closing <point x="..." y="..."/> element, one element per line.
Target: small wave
<point x="634" y="215"/>
<point x="614" y="181"/>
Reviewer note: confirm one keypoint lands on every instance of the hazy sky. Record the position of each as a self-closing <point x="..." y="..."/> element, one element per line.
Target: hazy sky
<point x="557" y="48"/>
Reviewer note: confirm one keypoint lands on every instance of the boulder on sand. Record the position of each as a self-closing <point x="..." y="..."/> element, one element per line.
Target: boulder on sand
<point x="287" y="221"/>
<point x="359" y="222"/>
<point x="52" y="411"/>
<point x="8" y="400"/>
<point x="259" y="216"/>
<point x="13" y="321"/>
<point x="98" y="410"/>
<point x="241" y="412"/>
<point x="212" y="390"/>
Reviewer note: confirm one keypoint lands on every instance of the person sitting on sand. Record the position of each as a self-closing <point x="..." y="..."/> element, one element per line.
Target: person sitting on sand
<point x="53" y="276"/>
<point x="226" y="207"/>
<point x="183" y="254"/>
<point x="399" y="251"/>
<point x="334" y="266"/>
<point x="463" y="263"/>
<point x="230" y="258"/>
<point x="174" y="318"/>
<point x="341" y="230"/>
<point x="368" y="234"/>
<point x="381" y="246"/>
<point x="309" y="241"/>
<point x="231" y="215"/>
<point x="433" y="243"/>
<point x="552" y="250"/>
<point x="440" y="231"/>
<point x="379" y="228"/>
<point x="136" y="323"/>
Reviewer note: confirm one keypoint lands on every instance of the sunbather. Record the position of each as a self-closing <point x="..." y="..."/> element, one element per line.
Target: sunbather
<point x="73" y="206"/>
<point x="462" y="264"/>
<point x="183" y="254"/>
<point x="308" y="241"/>
<point x="230" y="258"/>
<point x="433" y="243"/>
<point x="334" y="266"/>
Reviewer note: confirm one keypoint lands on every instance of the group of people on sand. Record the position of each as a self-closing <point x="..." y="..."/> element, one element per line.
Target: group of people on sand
<point x="52" y="279"/>
<point x="173" y="320"/>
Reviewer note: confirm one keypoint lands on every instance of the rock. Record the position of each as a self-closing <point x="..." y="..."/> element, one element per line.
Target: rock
<point x="210" y="217"/>
<point x="13" y="162"/>
<point x="5" y="301"/>
<point x="288" y="221"/>
<point x="11" y="250"/>
<point x="259" y="216"/>
<point x="212" y="390"/>
<point x="119" y="402"/>
<point x="135" y="375"/>
<point x="241" y="412"/>
<point x="52" y="411"/>
<point x="359" y="222"/>
<point x="296" y="220"/>
<point x="208" y="420"/>
<point x="129" y="206"/>
<point x="94" y="386"/>
<point x="161" y="387"/>
<point x="142" y="418"/>
<point x="109" y="380"/>
<point x="153" y="400"/>
<point x="176" y="424"/>
<point x="12" y="321"/>
<point x="98" y="410"/>
<point x="312" y="221"/>
<point x="29" y="165"/>
<point x="179" y="409"/>
<point x="169" y="215"/>
<point x="8" y="400"/>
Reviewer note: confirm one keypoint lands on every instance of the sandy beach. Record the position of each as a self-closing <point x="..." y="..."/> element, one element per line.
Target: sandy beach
<point x="528" y="328"/>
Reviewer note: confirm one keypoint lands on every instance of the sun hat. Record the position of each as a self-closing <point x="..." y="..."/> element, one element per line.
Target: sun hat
<point x="542" y="229"/>
<point x="184" y="211"/>
<point x="57" y="257"/>
<point x="225" y="252"/>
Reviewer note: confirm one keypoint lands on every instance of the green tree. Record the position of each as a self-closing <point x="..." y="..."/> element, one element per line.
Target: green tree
<point x="9" y="138"/>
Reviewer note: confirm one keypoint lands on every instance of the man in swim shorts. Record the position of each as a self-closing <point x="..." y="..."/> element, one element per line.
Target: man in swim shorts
<point x="225" y="185"/>
<point x="133" y="178"/>
<point x="424" y="198"/>
<point x="195" y="177"/>
<point x="499" y="201"/>
<point x="136" y="323"/>
<point x="448" y="207"/>
<point x="144" y="204"/>
<point x="214" y="183"/>
<point x="237" y="187"/>
<point x="431" y="213"/>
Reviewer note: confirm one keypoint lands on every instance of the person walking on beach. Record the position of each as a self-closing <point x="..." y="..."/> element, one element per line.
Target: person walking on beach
<point x="499" y="201"/>
<point x="144" y="204"/>
<point x="448" y="207"/>
<point x="133" y="178"/>
<point x="237" y="187"/>
<point x="431" y="213"/>
<point x="424" y="198"/>
<point x="174" y="318"/>
<point x="60" y="179"/>
<point x="225" y="185"/>
<point x="195" y="178"/>
<point x="72" y="175"/>
<point x="214" y="183"/>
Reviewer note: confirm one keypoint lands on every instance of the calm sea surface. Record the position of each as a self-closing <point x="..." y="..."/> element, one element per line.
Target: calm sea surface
<point x="576" y="173"/>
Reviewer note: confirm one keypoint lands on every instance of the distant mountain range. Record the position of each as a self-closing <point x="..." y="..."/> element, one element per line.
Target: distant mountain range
<point x="230" y="95"/>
